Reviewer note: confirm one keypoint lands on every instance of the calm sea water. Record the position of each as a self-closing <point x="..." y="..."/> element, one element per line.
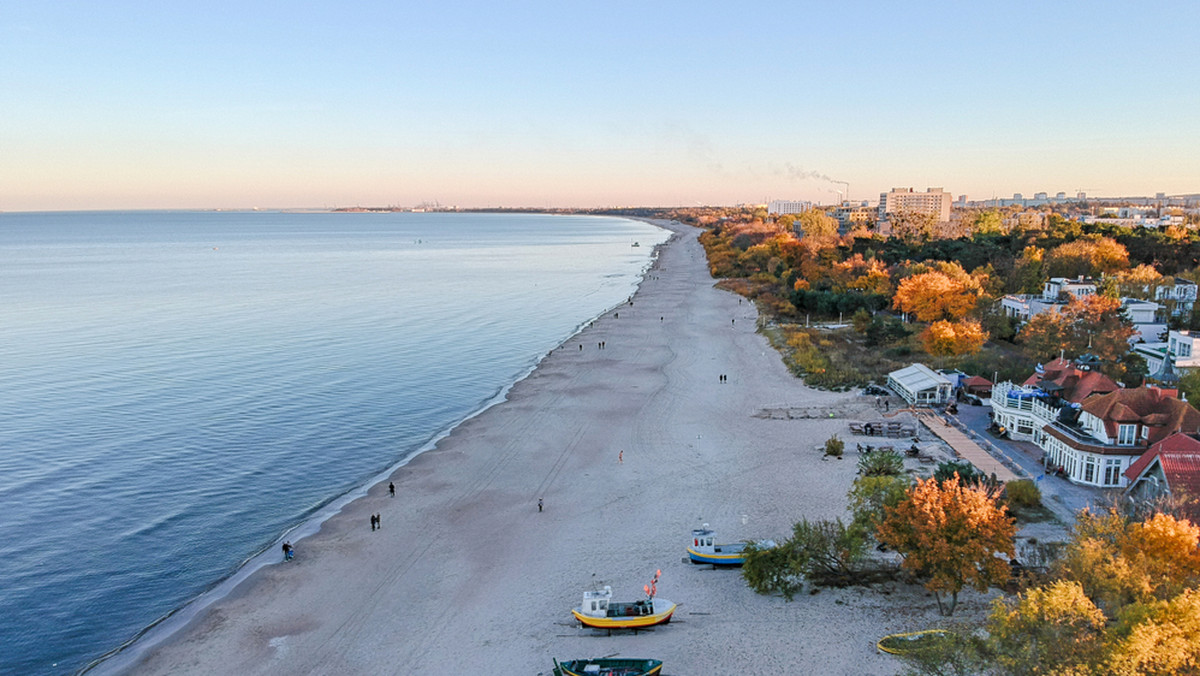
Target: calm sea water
<point x="178" y="389"/>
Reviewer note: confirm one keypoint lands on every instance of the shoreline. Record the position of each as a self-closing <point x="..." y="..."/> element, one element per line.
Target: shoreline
<point x="631" y="444"/>
<point x="162" y="630"/>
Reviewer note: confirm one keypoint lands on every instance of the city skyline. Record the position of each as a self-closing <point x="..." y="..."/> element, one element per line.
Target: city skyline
<point x="216" y="105"/>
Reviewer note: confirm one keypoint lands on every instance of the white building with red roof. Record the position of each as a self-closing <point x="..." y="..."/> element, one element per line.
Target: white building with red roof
<point x="1023" y="410"/>
<point x="1098" y="441"/>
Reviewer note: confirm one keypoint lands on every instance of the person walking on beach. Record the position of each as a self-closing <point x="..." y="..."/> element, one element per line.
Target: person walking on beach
<point x="392" y="489"/>
<point x="621" y="457"/>
<point x="379" y="521"/>
<point x="372" y="522"/>
<point x="287" y="551"/>
<point x="539" y="505"/>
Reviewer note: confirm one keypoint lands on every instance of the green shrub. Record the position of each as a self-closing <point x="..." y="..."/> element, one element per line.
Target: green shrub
<point x="965" y="470"/>
<point x="952" y="654"/>
<point x="834" y="446"/>
<point x="870" y="495"/>
<point x="881" y="463"/>
<point x="824" y="552"/>
<point x="1023" y="493"/>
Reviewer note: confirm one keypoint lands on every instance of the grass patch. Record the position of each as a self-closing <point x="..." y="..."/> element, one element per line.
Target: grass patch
<point x="836" y="359"/>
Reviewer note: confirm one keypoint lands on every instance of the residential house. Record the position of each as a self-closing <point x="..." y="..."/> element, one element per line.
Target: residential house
<point x="1144" y="314"/>
<point x="1183" y="346"/>
<point x="1057" y="292"/>
<point x="1170" y="468"/>
<point x="1095" y="442"/>
<point x="1179" y="299"/>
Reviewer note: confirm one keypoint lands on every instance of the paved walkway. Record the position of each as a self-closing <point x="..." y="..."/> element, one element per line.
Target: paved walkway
<point x="968" y="449"/>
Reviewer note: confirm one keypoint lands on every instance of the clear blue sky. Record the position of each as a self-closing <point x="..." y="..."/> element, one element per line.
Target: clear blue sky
<point x="231" y="104"/>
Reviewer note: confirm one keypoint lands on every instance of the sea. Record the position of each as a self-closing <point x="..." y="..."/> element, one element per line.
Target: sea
<point x="181" y="391"/>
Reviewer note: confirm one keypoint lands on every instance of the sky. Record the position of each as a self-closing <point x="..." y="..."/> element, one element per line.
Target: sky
<point x="132" y="105"/>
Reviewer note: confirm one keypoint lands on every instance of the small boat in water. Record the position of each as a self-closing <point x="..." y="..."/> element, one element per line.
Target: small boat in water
<point x="636" y="244"/>
<point x="704" y="549"/>
<point x="599" y="611"/>
<point x="608" y="667"/>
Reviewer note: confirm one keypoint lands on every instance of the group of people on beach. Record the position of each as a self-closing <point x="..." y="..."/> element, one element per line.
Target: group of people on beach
<point x="376" y="522"/>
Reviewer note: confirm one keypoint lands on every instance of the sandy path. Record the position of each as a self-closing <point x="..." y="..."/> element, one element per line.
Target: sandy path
<point x="466" y="572"/>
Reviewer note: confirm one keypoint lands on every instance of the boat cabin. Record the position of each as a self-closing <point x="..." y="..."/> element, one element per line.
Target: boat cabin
<point x="595" y="603"/>
<point x="704" y="542"/>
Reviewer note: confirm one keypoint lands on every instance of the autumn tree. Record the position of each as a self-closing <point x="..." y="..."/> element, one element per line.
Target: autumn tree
<point x="1085" y="257"/>
<point x="931" y="296"/>
<point x="1159" y="638"/>
<point x="1027" y="274"/>
<point x="913" y="227"/>
<point x="1048" y="630"/>
<point x="815" y="224"/>
<point x="1119" y="562"/>
<point x="1086" y="324"/>
<point x="943" y="338"/>
<point x="1139" y="282"/>
<point x="1126" y="601"/>
<point x="952" y="535"/>
<point x="987" y="223"/>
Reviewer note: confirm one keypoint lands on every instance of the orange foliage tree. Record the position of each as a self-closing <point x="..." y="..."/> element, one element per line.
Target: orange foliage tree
<point x="952" y="535"/>
<point x="934" y="295"/>
<point x="945" y="338"/>
<point x="1086" y="320"/>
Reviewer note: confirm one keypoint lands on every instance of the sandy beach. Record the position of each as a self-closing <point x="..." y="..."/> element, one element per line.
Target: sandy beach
<point x="465" y="571"/>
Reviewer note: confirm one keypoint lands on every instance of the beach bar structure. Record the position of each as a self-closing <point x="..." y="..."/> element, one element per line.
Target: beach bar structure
<point x="920" y="385"/>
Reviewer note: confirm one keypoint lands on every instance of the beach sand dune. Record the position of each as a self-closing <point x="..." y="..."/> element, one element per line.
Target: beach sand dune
<point x="465" y="571"/>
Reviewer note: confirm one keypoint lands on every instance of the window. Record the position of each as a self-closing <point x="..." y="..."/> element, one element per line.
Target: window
<point x="1112" y="472"/>
<point x="1185" y="349"/>
<point x="1126" y="435"/>
<point x="1089" y="470"/>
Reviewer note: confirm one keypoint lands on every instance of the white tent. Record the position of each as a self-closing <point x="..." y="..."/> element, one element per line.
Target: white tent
<point x="920" y="385"/>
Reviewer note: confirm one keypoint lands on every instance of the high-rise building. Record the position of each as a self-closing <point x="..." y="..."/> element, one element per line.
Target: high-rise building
<point x="779" y="207"/>
<point x="934" y="201"/>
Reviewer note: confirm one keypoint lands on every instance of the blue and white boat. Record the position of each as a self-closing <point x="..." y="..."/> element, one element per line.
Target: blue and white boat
<point x="705" y="549"/>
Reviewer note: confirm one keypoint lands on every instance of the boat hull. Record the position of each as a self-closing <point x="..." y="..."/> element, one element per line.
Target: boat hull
<point x="609" y="667"/>
<point x="735" y="558"/>
<point x="662" y="615"/>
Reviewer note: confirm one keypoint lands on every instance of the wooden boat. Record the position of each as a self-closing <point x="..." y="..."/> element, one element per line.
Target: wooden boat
<point x="608" y="667"/>
<point x="704" y="549"/>
<point x="599" y="611"/>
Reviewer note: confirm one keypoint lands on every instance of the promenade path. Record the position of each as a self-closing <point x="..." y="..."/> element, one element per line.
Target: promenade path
<point x="968" y="449"/>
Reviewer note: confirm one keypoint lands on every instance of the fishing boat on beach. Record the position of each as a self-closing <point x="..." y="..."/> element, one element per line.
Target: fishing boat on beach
<point x="599" y="611"/>
<point x="704" y="549"/>
<point x="604" y="666"/>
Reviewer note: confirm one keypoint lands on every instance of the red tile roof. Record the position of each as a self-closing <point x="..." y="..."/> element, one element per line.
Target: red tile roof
<point x="1076" y="385"/>
<point x="1159" y="411"/>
